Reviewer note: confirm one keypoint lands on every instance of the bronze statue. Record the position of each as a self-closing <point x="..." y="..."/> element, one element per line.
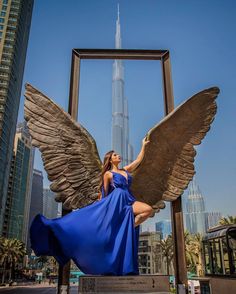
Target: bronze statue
<point x="72" y="162"/>
<point x="102" y="238"/>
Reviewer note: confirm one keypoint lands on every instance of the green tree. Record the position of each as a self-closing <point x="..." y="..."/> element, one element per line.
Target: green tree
<point x="193" y="251"/>
<point x="52" y="264"/>
<point x="12" y="252"/>
<point x="230" y="220"/>
<point x="41" y="261"/>
<point x="167" y="251"/>
<point x="190" y="250"/>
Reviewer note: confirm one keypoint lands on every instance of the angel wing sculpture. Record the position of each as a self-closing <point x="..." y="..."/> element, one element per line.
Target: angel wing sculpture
<point x="72" y="162"/>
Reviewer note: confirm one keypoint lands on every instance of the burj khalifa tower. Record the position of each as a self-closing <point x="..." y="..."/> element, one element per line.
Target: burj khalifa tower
<point x="120" y="117"/>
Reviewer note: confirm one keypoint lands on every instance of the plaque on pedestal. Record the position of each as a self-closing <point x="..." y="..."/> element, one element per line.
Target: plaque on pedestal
<point x="124" y="284"/>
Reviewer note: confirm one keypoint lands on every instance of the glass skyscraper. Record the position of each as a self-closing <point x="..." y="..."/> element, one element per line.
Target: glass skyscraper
<point x="213" y="219"/>
<point x="120" y="117"/>
<point x="50" y="206"/>
<point x="15" y="20"/>
<point x="195" y="210"/>
<point x="164" y="228"/>
<point x="16" y="216"/>
<point x="36" y="205"/>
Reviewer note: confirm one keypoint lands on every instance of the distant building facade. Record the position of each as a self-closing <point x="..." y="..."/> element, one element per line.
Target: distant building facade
<point x="120" y="117"/>
<point x="213" y="219"/>
<point x="36" y="205"/>
<point x="164" y="227"/>
<point x="59" y="209"/>
<point x="149" y="253"/>
<point x="16" y="215"/>
<point x="195" y="215"/>
<point x="15" y="20"/>
<point x="50" y="206"/>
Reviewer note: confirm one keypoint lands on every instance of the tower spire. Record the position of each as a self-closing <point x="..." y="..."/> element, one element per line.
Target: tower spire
<point x="118" y="6"/>
<point x="118" y="36"/>
<point x="120" y="117"/>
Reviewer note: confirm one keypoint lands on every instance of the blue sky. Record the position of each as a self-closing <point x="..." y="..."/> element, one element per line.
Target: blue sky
<point x="200" y="35"/>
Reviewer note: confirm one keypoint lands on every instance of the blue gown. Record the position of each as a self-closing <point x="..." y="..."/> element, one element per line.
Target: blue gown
<point x="100" y="238"/>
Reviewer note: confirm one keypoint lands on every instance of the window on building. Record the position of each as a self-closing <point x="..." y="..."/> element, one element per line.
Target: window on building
<point x="9" y="38"/>
<point x="2" y="82"/>
<point x="3" y="13"/>
<point x="1" y="27"/>
<point x="6" y="60"/>
<point x="5" y="1"/>
<point x="15" y="5"/>
<point x="13" y="13"/>
<point x="1" y="20"/>
<point x="12" y="19"/>
<point x="8" y="45"/>
<point x="225" y="256"/>
<point x="4" y="7"/>
<point x="11" y="26"/>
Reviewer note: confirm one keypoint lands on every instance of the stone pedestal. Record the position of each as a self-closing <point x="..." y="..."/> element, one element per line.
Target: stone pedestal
<point x="124" y="284"/>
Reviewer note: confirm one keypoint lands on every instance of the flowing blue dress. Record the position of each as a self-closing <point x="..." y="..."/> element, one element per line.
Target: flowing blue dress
<point x="100" y="238"/>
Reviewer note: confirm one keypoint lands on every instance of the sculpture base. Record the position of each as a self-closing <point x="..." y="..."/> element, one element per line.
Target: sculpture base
<point x="124" y="284"/>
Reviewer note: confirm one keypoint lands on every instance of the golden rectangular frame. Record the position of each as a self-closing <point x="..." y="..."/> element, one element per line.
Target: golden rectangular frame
<point x="134" y="54"/>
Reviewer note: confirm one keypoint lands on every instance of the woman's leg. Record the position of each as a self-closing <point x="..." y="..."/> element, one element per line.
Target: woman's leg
<point x="141" y="211"/>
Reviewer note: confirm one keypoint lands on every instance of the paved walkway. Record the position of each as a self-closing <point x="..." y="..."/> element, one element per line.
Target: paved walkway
<point x="31" y="289"/>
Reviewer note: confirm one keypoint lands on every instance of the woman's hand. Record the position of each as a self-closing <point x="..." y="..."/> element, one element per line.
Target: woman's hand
<point x="139" y="158"/>
<point x="99" y="196"/>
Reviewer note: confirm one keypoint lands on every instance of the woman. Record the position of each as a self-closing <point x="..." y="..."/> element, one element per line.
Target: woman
<point x="110" y="166"/>
<point x="101" y="238"/>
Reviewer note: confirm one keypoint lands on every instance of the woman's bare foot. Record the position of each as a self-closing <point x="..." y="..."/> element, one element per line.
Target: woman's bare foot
<point x="141" y="211"/>
<point x="137" y="220"/>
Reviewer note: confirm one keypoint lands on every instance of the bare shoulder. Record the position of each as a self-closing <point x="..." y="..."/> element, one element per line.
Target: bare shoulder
<point x="108" y="174"/>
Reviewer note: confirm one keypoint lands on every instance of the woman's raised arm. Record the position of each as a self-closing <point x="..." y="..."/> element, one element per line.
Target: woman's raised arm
<point x="139" y="158"/>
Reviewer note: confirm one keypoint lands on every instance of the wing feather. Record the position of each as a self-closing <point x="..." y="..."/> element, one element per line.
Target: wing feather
<point x="69" y="152"/>
<point x="168" y="163"/>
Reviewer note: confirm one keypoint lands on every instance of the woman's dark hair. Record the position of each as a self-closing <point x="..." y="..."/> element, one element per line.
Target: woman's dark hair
<point x="106" y="166"/>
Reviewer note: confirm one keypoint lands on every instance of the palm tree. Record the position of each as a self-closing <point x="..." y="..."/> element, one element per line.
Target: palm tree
<point x="168" y="251"/>
<point x="12" y="252"/>
<point x="190" y="250"/>
<point x="197" y="244"/>
<point x="52" y="264"/>
<point x="193" y="249"/>
<point x="230" y="220"/>
<point x="41" y="261"/>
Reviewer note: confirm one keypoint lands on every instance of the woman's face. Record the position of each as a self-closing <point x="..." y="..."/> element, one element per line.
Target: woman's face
<point x="115" y="158"/>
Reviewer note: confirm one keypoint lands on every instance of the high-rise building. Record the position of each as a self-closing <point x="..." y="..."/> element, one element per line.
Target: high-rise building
<point x="16" y="216"/>
<point x="59" y="209"/>
<point x="15" y="19"/>
<point x="213" y="219"/>
<point x="50" y="206"/>
<point x="120" y="117"/>
<point x="149" y="253"/>
<point x="36" y="205"/>
<point x="195" y="210"/>
<point x="164" y="228"/>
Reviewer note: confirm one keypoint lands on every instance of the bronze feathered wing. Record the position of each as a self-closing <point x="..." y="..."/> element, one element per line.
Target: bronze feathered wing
<point x="69" y="152"/>
<point x="168" y="163"/>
